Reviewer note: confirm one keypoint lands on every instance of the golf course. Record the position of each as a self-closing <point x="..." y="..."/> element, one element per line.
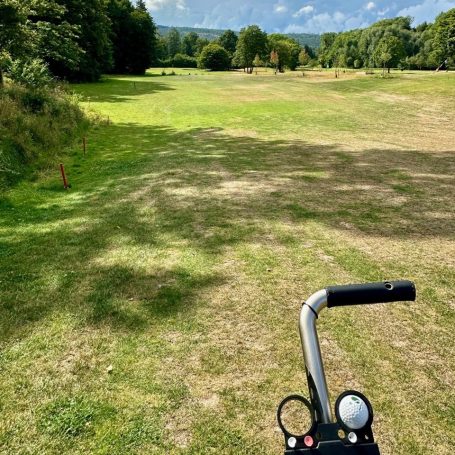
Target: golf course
<point x="152" y="308"/>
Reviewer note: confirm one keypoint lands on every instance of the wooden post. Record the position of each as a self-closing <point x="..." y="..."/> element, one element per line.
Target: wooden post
<point x="65" y="181"/>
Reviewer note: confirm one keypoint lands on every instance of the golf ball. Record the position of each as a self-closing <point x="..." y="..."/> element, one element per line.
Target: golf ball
<point x="353" y="412"/>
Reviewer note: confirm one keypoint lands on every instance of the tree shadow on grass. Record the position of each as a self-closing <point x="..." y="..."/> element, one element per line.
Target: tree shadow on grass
<point x="120" y="90"/>
<point x="140" y="236"/>
<point x="126" y="299"/>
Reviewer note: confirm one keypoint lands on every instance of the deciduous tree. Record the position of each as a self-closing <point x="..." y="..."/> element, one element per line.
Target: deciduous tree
<point x="274" y="59"/>
<point x="189" y="44"/>
<point x="252" y="40"/>
<point x="174" y="42"/>
<point x="304" y="59"/>
<point x="133" y="36"/>
<point x="287" y="48"/>
<point x="200" y="44"/>
<point x="389" y="52"/>
<point x="142" y="41"/>
<point x="37" y="29"/>
<point x="257" y="62"/>
<point x="90" y="16"/>
<point x="228" y="40"/>
<point x="214" y="57"/>
<point x="444" y="37"/>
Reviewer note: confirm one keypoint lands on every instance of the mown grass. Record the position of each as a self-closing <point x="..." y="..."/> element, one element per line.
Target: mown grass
<point x="153" y="307"/>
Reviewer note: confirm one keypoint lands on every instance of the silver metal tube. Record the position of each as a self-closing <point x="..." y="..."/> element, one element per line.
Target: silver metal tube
<point x="312" y="354"/>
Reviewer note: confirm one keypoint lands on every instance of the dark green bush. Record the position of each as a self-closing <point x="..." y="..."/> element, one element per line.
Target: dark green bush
<point x="214" y="57"/>
<point x="32" y="100"/>
<point x="179" y="61"/>
<point x="184" y="61"/>
<point x="168" y="63"/>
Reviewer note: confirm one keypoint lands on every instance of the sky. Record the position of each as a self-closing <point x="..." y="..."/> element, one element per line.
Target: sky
<point x="291" y="16"/>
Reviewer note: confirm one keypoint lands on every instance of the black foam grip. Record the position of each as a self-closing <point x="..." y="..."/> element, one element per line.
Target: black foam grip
<point x="359" y="294"/>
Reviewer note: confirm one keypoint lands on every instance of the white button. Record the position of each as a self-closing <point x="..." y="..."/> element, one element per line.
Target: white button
<point x="352" y="437"/>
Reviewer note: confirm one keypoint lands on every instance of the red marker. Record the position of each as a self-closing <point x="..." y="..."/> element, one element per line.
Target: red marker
<point x="65" y="182"/>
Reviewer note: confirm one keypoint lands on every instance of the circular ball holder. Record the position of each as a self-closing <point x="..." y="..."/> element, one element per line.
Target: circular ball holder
<point x="295" y="417"/>
<point x="360" y="435"/>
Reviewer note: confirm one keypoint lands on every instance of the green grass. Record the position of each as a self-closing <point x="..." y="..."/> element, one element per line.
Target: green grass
<point x="153" y="307"/>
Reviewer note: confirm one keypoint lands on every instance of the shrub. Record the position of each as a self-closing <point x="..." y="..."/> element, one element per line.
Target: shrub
<point x="35" y="128"/>
<point x="30" y="73"/>
<point x="184" y="61"/>
<point x="5" y="62"/>
<point x="165" y="63"/>
<point x="214" y="57"/>
<point x="179" y="61"/>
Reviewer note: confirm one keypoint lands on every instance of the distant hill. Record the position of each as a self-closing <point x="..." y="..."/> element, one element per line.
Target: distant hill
<point x="209" y="33"/>
<point x="309" y="39"/>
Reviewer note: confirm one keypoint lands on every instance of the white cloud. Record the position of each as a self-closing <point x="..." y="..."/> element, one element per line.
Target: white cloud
<point x="326" y="22"/>
<point x="370" y="5"/>
<point x="383" y="12"/>
<point x="427" y="10"/>
<point x="320" y="23"/>
<point x="279" y="8"/>
<point x="354" y="22"/>
<point x="239" y="14"/>
<point x="290" y="15"/>
<point x="307" y="9"/>
<point x="294" y="28"/>
<point x="156" y="5"/>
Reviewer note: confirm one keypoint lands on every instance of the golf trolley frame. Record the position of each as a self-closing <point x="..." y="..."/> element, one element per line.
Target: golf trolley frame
<point x="329" y="436"/>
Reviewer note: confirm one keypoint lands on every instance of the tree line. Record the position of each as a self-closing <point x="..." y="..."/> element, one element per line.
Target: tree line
<point x="250" y="48"/>
<point x="76" y="40"/>
<point x="392" y="43"/>
<point x="387" y="43"/>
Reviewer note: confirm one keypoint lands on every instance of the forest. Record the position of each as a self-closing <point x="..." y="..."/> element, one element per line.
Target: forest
<point x="392" y="43"/>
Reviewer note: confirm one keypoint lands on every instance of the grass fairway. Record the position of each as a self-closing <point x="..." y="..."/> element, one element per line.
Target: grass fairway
<point x="152" y="308"/>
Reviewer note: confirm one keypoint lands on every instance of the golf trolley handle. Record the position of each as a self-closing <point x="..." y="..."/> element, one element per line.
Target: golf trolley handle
<point x="359" y="294"/>
<point x="354" y="294"/>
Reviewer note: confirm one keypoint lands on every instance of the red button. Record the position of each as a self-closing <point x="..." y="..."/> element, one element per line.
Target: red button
<point x="309" y="441"/>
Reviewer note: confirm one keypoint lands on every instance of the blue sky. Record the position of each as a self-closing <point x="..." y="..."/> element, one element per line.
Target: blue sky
<point x="291" y="15"/>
